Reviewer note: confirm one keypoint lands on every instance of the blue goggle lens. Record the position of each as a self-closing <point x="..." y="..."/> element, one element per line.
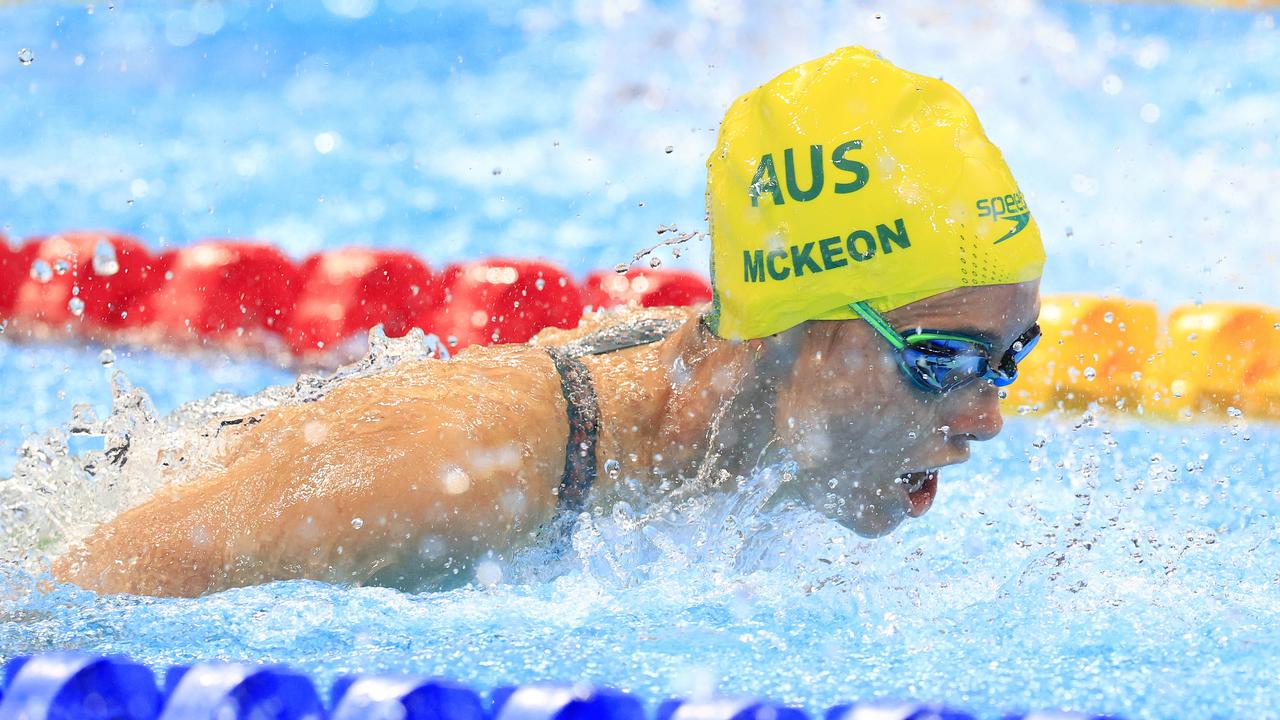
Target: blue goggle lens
<point x="943" y="364"/>
<point x="940" y="365"/>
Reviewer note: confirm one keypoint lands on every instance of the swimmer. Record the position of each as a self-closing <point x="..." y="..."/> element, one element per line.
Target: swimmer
<point x="876" y="279"/>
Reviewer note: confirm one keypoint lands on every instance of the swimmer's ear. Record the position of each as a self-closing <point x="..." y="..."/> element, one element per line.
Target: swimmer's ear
<point x="775" y="356"/>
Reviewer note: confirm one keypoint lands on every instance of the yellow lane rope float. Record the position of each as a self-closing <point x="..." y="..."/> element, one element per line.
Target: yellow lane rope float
<point x="1209" y="360"/>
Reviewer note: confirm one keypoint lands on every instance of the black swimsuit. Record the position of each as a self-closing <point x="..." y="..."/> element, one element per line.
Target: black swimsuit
<point x="580" y="398"/>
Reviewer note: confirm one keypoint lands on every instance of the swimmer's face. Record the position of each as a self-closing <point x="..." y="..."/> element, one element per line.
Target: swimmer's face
<point x="857" y="425"/>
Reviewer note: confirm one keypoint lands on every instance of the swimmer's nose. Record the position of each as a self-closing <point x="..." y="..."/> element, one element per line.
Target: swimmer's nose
<point x="977" y="414"/>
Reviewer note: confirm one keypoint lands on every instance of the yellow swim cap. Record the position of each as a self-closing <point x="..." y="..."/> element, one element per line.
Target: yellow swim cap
<point x="847" y="179"/>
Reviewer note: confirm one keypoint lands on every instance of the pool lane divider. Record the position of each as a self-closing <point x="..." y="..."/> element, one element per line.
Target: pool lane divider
<point x="81" y="686"/>
<point x="1218" y="360"/>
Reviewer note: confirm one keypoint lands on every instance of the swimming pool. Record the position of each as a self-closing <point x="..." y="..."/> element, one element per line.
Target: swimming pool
<point x="1088" y="561"/>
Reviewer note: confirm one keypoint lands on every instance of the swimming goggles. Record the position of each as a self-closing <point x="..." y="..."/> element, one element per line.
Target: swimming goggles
<point x="939" y="362"/>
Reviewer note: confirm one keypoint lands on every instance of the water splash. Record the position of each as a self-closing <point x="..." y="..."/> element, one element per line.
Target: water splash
<point x="56" y="496"/>
<point x="105" y="262"/>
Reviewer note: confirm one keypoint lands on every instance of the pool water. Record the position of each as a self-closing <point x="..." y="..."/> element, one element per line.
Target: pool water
<point x="1088" y="561"/>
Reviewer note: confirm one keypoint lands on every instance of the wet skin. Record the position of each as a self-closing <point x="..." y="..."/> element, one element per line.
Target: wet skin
<point x="857" y="420"/>
<point x="402" y="477"/>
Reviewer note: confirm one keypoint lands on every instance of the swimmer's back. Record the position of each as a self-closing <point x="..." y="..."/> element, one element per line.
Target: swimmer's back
<point x="393" y="476"/>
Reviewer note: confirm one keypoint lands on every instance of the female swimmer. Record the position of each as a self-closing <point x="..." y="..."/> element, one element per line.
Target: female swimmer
<point x="876" y="277"/>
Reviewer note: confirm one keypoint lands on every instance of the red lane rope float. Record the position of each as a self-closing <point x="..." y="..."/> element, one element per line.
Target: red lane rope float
<point x="1203" y="360"/>
<point x="98" y="283"/>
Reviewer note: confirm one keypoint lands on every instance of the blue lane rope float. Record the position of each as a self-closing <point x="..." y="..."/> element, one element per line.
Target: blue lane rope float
<point x="82" y="686"/>
<point x="78" y="686"/>
<point x="892" y="710"/>
<point x="727" y="709"/>
<point x="231" y="691"/>
<point x="564" y="702"/>
<point x="404" y="697"/>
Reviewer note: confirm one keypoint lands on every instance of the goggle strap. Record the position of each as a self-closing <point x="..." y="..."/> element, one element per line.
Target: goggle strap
<point x="879" y="324"/>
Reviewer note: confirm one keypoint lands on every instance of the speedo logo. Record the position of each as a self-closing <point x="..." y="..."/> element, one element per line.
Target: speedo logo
<point x="1006" y="207"/>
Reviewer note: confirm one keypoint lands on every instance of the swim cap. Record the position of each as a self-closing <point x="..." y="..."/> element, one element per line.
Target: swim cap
<point x="847" y="179"/>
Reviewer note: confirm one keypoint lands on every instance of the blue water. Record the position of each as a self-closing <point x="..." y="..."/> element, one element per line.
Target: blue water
<point x="1091" y="563"/>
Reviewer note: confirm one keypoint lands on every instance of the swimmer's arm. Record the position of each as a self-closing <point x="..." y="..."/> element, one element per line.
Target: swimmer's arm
<point x="341" y="489"/>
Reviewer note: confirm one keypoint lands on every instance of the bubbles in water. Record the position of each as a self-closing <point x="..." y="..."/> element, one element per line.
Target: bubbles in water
<point x="357" y="523"/>
<point x="25" y="56"/>
<point x="612" y="468"/>
<point x="1109" y="317"/>
<point x="655" y="261"/>
<point x="107" y="358"/>
<point x="76" y="306"/>
<point x="325" y="142"/>
<point x="540" y="283"/>
<point x="104" y="258"/>
<point x="488" y="573"/>
<point x="41" y="272"/>
<point x="1090" y="373"/>
<point x="621" y="269"/>
<point x="669" y="149"/>
<point x="61" y="267"/>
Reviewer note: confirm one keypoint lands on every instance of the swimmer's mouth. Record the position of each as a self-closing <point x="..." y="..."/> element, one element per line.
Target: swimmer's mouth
<point x="921" y="487"/>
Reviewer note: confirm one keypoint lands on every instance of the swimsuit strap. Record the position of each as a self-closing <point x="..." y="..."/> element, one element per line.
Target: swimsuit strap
<point x="583" y="409"/>
<point x="584" y="427"/>
<point x="621" y="337"/>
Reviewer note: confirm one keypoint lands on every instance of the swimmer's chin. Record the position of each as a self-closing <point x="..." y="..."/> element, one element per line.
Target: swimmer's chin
<point x="873" y="522"/>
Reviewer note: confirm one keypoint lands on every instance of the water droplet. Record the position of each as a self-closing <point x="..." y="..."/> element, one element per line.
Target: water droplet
<point x="669" y="149"/>
<point x="104" y="258"/>
<point x="540" y="283"/>
<point x="1109" y="317"/>
<point x="620" y="268"/>
<point x="41" y="272"/>
<point x="911" y="435"/>
<point x="107" y="358"/>
<point x="1090" y="373"/>
<point x="357" y="523"/>
<point x="613" y="468"/>
<point x="655" y="261"/>
<point x="61" y="267"/>
<point x="1234" y="412"/>
<point x="76" y="306"/>
<point x="452" y="340"/>
<point x="25" y="56"/>
<point x="488" y="573"/>
<point x="497" y="171"/>
<point x="640" y="204"/>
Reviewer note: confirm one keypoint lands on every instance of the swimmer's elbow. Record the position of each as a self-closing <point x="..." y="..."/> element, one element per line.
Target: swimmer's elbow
<point x="157" y="571"/>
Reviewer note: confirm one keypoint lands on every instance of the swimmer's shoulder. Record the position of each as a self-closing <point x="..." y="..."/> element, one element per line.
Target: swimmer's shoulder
<point x="511" y="372"/>
<point x="614" y="317"/>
